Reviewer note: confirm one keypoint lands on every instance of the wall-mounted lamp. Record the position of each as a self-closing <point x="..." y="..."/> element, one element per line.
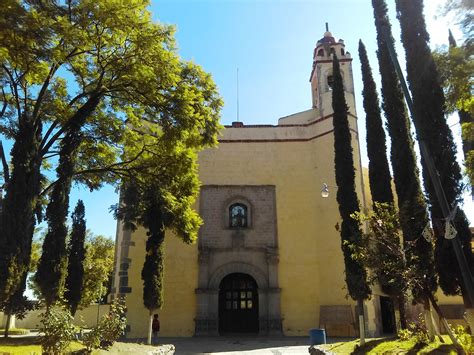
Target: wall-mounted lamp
<point x="325" y="190"/>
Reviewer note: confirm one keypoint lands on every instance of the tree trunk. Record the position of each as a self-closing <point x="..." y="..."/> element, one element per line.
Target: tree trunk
<point x="360" y="307"/>
<point x="402" y="311"/>
<point x="7" y="325"/>
<point x="150" y="328"/>
<point x="428" y="319"/>
<point x="446" y="325"/>
<point x="470" y="319"/>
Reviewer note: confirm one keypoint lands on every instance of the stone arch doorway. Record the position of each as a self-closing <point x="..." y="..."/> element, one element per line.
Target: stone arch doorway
<point x="238" y="304"/>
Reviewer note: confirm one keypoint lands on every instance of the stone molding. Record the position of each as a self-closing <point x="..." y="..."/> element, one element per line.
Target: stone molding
<point x="238" y="267"/>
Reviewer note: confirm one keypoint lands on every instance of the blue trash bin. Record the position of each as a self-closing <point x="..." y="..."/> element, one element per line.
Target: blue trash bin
<point x="317" y="336"/>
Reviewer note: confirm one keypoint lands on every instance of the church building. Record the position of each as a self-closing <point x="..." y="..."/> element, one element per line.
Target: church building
<point x="268" y="259"/>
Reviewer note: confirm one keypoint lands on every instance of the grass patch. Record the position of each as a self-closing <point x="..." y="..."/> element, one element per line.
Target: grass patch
<point x="28" y="346"/>
<point x="391" y="346"/>
<point x="15" y="331"/>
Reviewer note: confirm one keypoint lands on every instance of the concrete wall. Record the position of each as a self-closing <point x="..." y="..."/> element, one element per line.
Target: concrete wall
<point x="84" y="317"/>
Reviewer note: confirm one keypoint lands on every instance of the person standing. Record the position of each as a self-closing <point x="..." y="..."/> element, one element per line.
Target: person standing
<point x="155" y="326"/>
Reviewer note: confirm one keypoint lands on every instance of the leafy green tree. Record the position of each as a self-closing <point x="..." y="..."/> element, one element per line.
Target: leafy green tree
<point x="76" y="257"/>
<point x="78" y="79"/>
<point x="412" y="208"/>
<point x="383" y="253"/>
<point x="356" y="275"/>
<point x="431" y="127"/>
<point x="98" y="269"/>
<point x="456" y="70"/>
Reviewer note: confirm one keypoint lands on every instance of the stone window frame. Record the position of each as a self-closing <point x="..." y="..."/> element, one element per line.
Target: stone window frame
<point x="328" y="74"/>
<point x="241" y="201"/>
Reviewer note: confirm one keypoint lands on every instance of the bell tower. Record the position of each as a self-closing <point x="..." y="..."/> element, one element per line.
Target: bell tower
<point x="321" y="75"/>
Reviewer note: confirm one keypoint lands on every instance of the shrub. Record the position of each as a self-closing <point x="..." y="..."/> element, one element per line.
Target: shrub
<point x="416" y="331"/>
<point x="58" y="330"/>
<point x="405" y="334"/>
<point x="91" y="340"/>
<point x="109" y="328"/>
<point x="464" y="338"/>
<point x="419" y="331"/>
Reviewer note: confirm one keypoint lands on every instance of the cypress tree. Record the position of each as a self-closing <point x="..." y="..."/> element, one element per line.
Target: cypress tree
<point x="380" y="181"/>
<point x="412" y="208"/>
<point x="77" y="254"/>
<point x="19" y="206"/>
<point x="153" y="267"/>
<point x="431" y="127"/>
<point x="356" y="275"/>
<point x="52" y="267"/>
<point x="154" y="218"/>
<point x="379" y="172"/>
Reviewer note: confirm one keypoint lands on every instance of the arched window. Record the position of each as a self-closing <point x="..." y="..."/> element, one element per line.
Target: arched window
<point x="238" y="216"/>
<point x="321" y="53"/>
<point x="342" y="51"/>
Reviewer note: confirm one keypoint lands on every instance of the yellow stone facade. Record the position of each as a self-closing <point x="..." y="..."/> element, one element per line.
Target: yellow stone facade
<point x="294" y="158"/>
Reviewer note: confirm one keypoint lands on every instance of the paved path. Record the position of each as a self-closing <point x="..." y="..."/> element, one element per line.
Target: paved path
<point x="239" y="345"/>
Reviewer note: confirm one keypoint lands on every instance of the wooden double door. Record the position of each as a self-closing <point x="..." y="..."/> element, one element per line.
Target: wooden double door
<point x="238" y="304"/>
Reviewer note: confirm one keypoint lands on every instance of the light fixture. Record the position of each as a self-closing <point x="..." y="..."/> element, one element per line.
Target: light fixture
<point x="325" y="190"/>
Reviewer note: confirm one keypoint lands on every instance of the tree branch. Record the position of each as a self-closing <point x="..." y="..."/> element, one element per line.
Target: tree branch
<point x="39" y="100"/>
<point x="5" y="104"/>
<point x="14" y="89"/>
<point x="115" y="168"/>
<point x="6" y="170"/>
<point x="86" y="109"/>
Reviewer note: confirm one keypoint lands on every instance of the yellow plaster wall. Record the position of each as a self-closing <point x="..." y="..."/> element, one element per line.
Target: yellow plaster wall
<point x="311" y="269"/>
<point x="180" y="280"/>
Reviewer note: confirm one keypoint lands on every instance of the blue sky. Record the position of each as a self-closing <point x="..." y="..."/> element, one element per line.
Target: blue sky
<point x="271" y="42"/>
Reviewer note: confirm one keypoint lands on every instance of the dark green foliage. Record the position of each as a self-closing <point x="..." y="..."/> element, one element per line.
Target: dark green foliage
<point x="153" y="268"/>
<point x="356" y="275"/>
<point x="77" y="254"/>
<point x="412" y="208"/>
<point x="17" y="218"/>
<point x="431" y="127"/>
<point x="154" y="218"/>
<point x="52" y="267"/>
<point x="379" y="172"/>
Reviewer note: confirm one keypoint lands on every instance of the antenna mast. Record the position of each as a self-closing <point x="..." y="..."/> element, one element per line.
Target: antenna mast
<point x="238" y="118"/>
